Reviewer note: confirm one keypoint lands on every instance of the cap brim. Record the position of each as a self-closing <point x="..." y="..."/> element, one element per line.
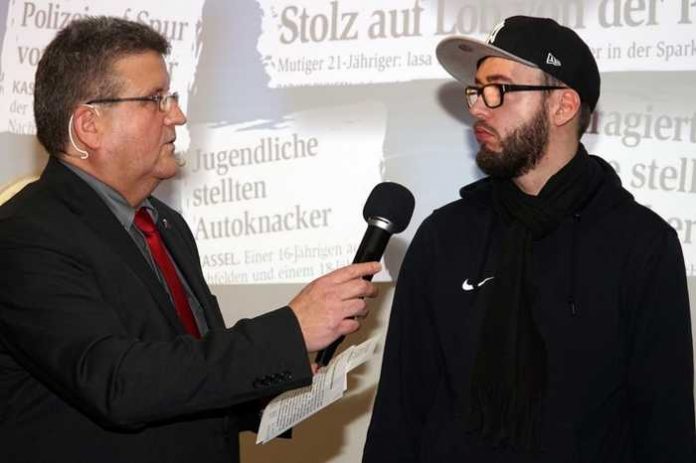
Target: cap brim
<point x="460" y="56"/>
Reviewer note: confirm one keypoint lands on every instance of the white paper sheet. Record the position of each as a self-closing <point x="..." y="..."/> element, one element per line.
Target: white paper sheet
<point x="328" y="385"/>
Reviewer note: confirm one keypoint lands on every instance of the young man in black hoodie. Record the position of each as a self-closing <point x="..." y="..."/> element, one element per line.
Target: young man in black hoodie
<point x="544" y="316"/>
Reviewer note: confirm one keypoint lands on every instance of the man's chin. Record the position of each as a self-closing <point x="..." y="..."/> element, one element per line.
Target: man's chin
<point x="494" y="164"/>
<point x="168" y="166"/>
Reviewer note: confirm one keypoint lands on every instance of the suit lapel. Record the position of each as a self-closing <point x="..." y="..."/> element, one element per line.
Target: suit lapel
<point x="178" y="248"/>
<point x="85" y="202"/>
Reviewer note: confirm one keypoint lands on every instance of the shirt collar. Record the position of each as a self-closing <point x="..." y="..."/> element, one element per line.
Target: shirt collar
<point x="118" y="205"/>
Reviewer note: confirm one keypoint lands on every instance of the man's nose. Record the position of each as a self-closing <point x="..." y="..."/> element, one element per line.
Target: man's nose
<point x="479" y="110"/>
<point x="175" y="116"/>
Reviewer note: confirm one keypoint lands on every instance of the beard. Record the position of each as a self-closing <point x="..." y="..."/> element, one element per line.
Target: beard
<point x="520" y="151"/>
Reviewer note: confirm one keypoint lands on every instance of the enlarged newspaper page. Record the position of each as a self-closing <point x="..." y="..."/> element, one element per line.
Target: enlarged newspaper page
<point x="328" y="385"/>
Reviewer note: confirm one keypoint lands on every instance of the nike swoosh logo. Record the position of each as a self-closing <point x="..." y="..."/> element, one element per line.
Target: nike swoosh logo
<point x="466" y="286"/>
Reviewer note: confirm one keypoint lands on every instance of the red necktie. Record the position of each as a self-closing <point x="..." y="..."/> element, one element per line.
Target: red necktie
<point x="154" y="241"/>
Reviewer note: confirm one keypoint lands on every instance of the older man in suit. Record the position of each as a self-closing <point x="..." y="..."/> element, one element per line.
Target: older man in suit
<point x="112" y="347"/>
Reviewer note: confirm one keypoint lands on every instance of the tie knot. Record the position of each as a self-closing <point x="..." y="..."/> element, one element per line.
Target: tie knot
<point x="144" y="222"/>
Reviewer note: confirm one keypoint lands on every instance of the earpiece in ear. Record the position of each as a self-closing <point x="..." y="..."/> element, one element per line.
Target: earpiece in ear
<point x="84" y="154"/>
<point x="92" y="107"/>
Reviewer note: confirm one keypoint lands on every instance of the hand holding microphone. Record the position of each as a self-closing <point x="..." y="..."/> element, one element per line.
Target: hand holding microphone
<point x="330" y="307"/>
<point x="388" y="210"/>
<point x="326" y="308"/>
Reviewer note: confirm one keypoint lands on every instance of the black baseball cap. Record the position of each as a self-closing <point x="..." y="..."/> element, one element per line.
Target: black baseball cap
<point x="537" y="42"/>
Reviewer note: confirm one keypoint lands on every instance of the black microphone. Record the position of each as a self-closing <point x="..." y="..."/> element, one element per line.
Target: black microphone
<point x="388" y="210"/>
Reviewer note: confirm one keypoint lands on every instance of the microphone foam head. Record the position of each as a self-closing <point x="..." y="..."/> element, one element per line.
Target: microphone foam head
<point x="392" y="202"/>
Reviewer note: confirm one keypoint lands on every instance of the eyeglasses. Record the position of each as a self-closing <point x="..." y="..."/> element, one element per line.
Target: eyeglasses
<point x="493" y="93"/>
<point x="164" y="102"/>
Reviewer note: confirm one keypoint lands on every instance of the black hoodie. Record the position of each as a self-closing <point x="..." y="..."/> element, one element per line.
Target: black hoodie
<point x="612" y="307"/>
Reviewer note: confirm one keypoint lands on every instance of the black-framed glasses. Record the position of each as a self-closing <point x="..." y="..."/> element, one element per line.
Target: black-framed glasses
<point x="493" y="94"/>
<point x="164" y="102"/>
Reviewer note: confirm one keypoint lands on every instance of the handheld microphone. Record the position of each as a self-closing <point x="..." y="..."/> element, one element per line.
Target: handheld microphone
<point x="388" y="210"/>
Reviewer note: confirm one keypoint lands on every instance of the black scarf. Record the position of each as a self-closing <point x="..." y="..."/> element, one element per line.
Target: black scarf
<point x="509" y="374"/>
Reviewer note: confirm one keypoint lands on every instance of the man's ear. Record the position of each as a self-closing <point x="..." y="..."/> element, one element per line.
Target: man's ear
<point x="566" y="107"/>
<point x="87" y="127"/>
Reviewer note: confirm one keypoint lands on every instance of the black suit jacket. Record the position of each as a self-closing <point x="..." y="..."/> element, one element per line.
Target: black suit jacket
<point x="95" y="365"/>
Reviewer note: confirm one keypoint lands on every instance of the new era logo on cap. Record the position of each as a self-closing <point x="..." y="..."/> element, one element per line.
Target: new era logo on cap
<point x="552" y="60"/>
<point x="494" y="32"/>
